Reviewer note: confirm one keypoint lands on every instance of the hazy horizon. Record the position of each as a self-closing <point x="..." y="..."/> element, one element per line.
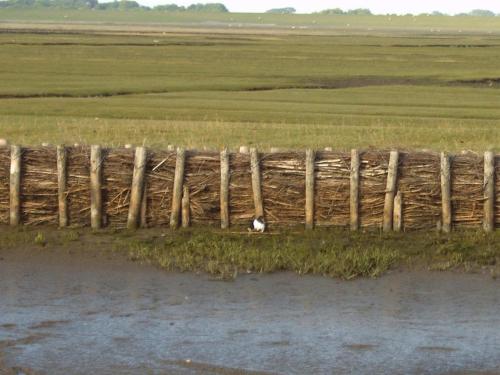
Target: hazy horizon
<point x="377" y="7"/>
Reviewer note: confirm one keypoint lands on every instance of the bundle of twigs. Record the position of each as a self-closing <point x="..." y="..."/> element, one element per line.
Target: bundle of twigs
<point x="497" y="190"/>
<point x="373" y="176"/>
<point x="467" y="191"/>
<point x="419" y="181"/>
<point x="240" y="189"/>
<point x="78" y="185"/>
<point x="283" y="187"/>
<point x="4" y="184"/>
<point x="39" y="203"/>
<point x="202" y="177"/>
<point x="159" y="183"/>
<point x="332" y="188"/>
<point x="117" y="171"/>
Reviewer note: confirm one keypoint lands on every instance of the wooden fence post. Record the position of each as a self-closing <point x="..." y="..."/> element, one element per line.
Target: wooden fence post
<point x="256" y="183"/>
<point x="186" y="217"/>
<point x="489" y="191"/>
<point x="177" y="192"/>
<point x="137" y="188"/>
<point x="310" y="159"/>
<point x="62" y="178"/>
<point x="224" y="189"/>
<point x="15" y="185"/>
<point x="398" y="213"/>
<point x="95" y="186"/>
<point x="445" y="193"/>
<point x="354" y="190"/>
<point x="390" y="191"/>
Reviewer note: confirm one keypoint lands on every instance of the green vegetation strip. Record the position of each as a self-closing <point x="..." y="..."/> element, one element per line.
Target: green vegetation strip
<point x="267" y="90"/>
<point x="225" y="255"/>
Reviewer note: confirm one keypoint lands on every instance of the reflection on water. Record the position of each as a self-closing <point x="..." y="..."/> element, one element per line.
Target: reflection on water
<point x="98" y="316"/>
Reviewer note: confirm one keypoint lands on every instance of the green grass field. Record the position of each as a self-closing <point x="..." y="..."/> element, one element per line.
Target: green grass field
<point x="398" y="85"/>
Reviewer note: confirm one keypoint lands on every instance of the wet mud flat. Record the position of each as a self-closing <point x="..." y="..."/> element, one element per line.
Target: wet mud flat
<point x="89" y="311"/>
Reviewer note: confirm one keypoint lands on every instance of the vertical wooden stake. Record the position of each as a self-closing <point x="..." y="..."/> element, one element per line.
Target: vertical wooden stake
<point x="186" y="218"/>
<point x="390" y="191"/>
<point x="256" y="184"/>
<point x="95" y="187"/>
<point x="224" y="189"/>
<point x="310" y="159"/>
<point x="445" y="193"/>
<point x="177" y="193"/>
<point x="489" y="191"/>
<point x="398" y="213"/>
<point x="61" y="186"/>
<point x="137" y="188"/>
<point x="354" y="194"/>
<point x="15" y="185"/>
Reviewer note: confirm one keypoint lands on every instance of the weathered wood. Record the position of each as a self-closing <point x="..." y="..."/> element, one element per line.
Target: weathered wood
<point x="224" y="189"/>
<point x="186" y="217"/>
<point x="95" y="187"/>
<point x="489" y="191"/>
<point x="310" y="159"/>
<point x="15" y="185"/>
<point x="256" y="183"/>
<point x="62" y="178"/>
<point x="390" y="191"/>
<point x="398" y="213"/>
<point x="177" y="190"/>
<point x="354" y="190"/>
<point x="445" y="193"/>
<point x="137" y="188"/>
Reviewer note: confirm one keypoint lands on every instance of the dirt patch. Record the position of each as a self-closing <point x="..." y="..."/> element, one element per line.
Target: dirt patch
<point x="210" y="369"/>
<point x="48" y="324"/>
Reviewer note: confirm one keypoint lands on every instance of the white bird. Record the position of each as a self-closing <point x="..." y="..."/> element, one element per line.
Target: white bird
<point x="258" y="224"/>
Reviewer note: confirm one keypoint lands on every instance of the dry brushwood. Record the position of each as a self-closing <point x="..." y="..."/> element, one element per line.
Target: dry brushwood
<point x="283" y="187"/>
<point x="4" y="184"/>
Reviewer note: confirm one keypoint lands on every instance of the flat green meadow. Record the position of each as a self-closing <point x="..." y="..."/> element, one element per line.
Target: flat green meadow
<point x="160" y="79"/>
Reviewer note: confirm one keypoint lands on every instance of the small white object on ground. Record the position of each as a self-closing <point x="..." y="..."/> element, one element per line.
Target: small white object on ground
<point x="259" y="225"/>
<point x="3" y="142"/>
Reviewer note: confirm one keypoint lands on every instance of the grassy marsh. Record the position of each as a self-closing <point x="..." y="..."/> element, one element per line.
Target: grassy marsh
<point x="329" y="252"/>
<point x="203" y="89"/>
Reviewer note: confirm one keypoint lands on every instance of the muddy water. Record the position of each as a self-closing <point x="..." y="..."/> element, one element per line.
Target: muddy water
<point x="81" y="314"/>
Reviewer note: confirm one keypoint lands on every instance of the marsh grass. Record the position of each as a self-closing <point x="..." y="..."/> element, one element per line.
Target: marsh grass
<point x="343" y="133"/>
<point x="333" y="252"/>
<point x="203" y="89"/>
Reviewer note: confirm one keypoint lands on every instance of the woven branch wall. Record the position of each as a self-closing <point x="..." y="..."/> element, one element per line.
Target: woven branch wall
<point x="283" y="176"/>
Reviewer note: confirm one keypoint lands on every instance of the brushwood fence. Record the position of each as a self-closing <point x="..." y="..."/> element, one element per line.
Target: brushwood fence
<point x="111" y="187"/>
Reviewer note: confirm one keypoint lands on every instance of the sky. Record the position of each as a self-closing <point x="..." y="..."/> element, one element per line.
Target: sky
<point x="376" y="6"/>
